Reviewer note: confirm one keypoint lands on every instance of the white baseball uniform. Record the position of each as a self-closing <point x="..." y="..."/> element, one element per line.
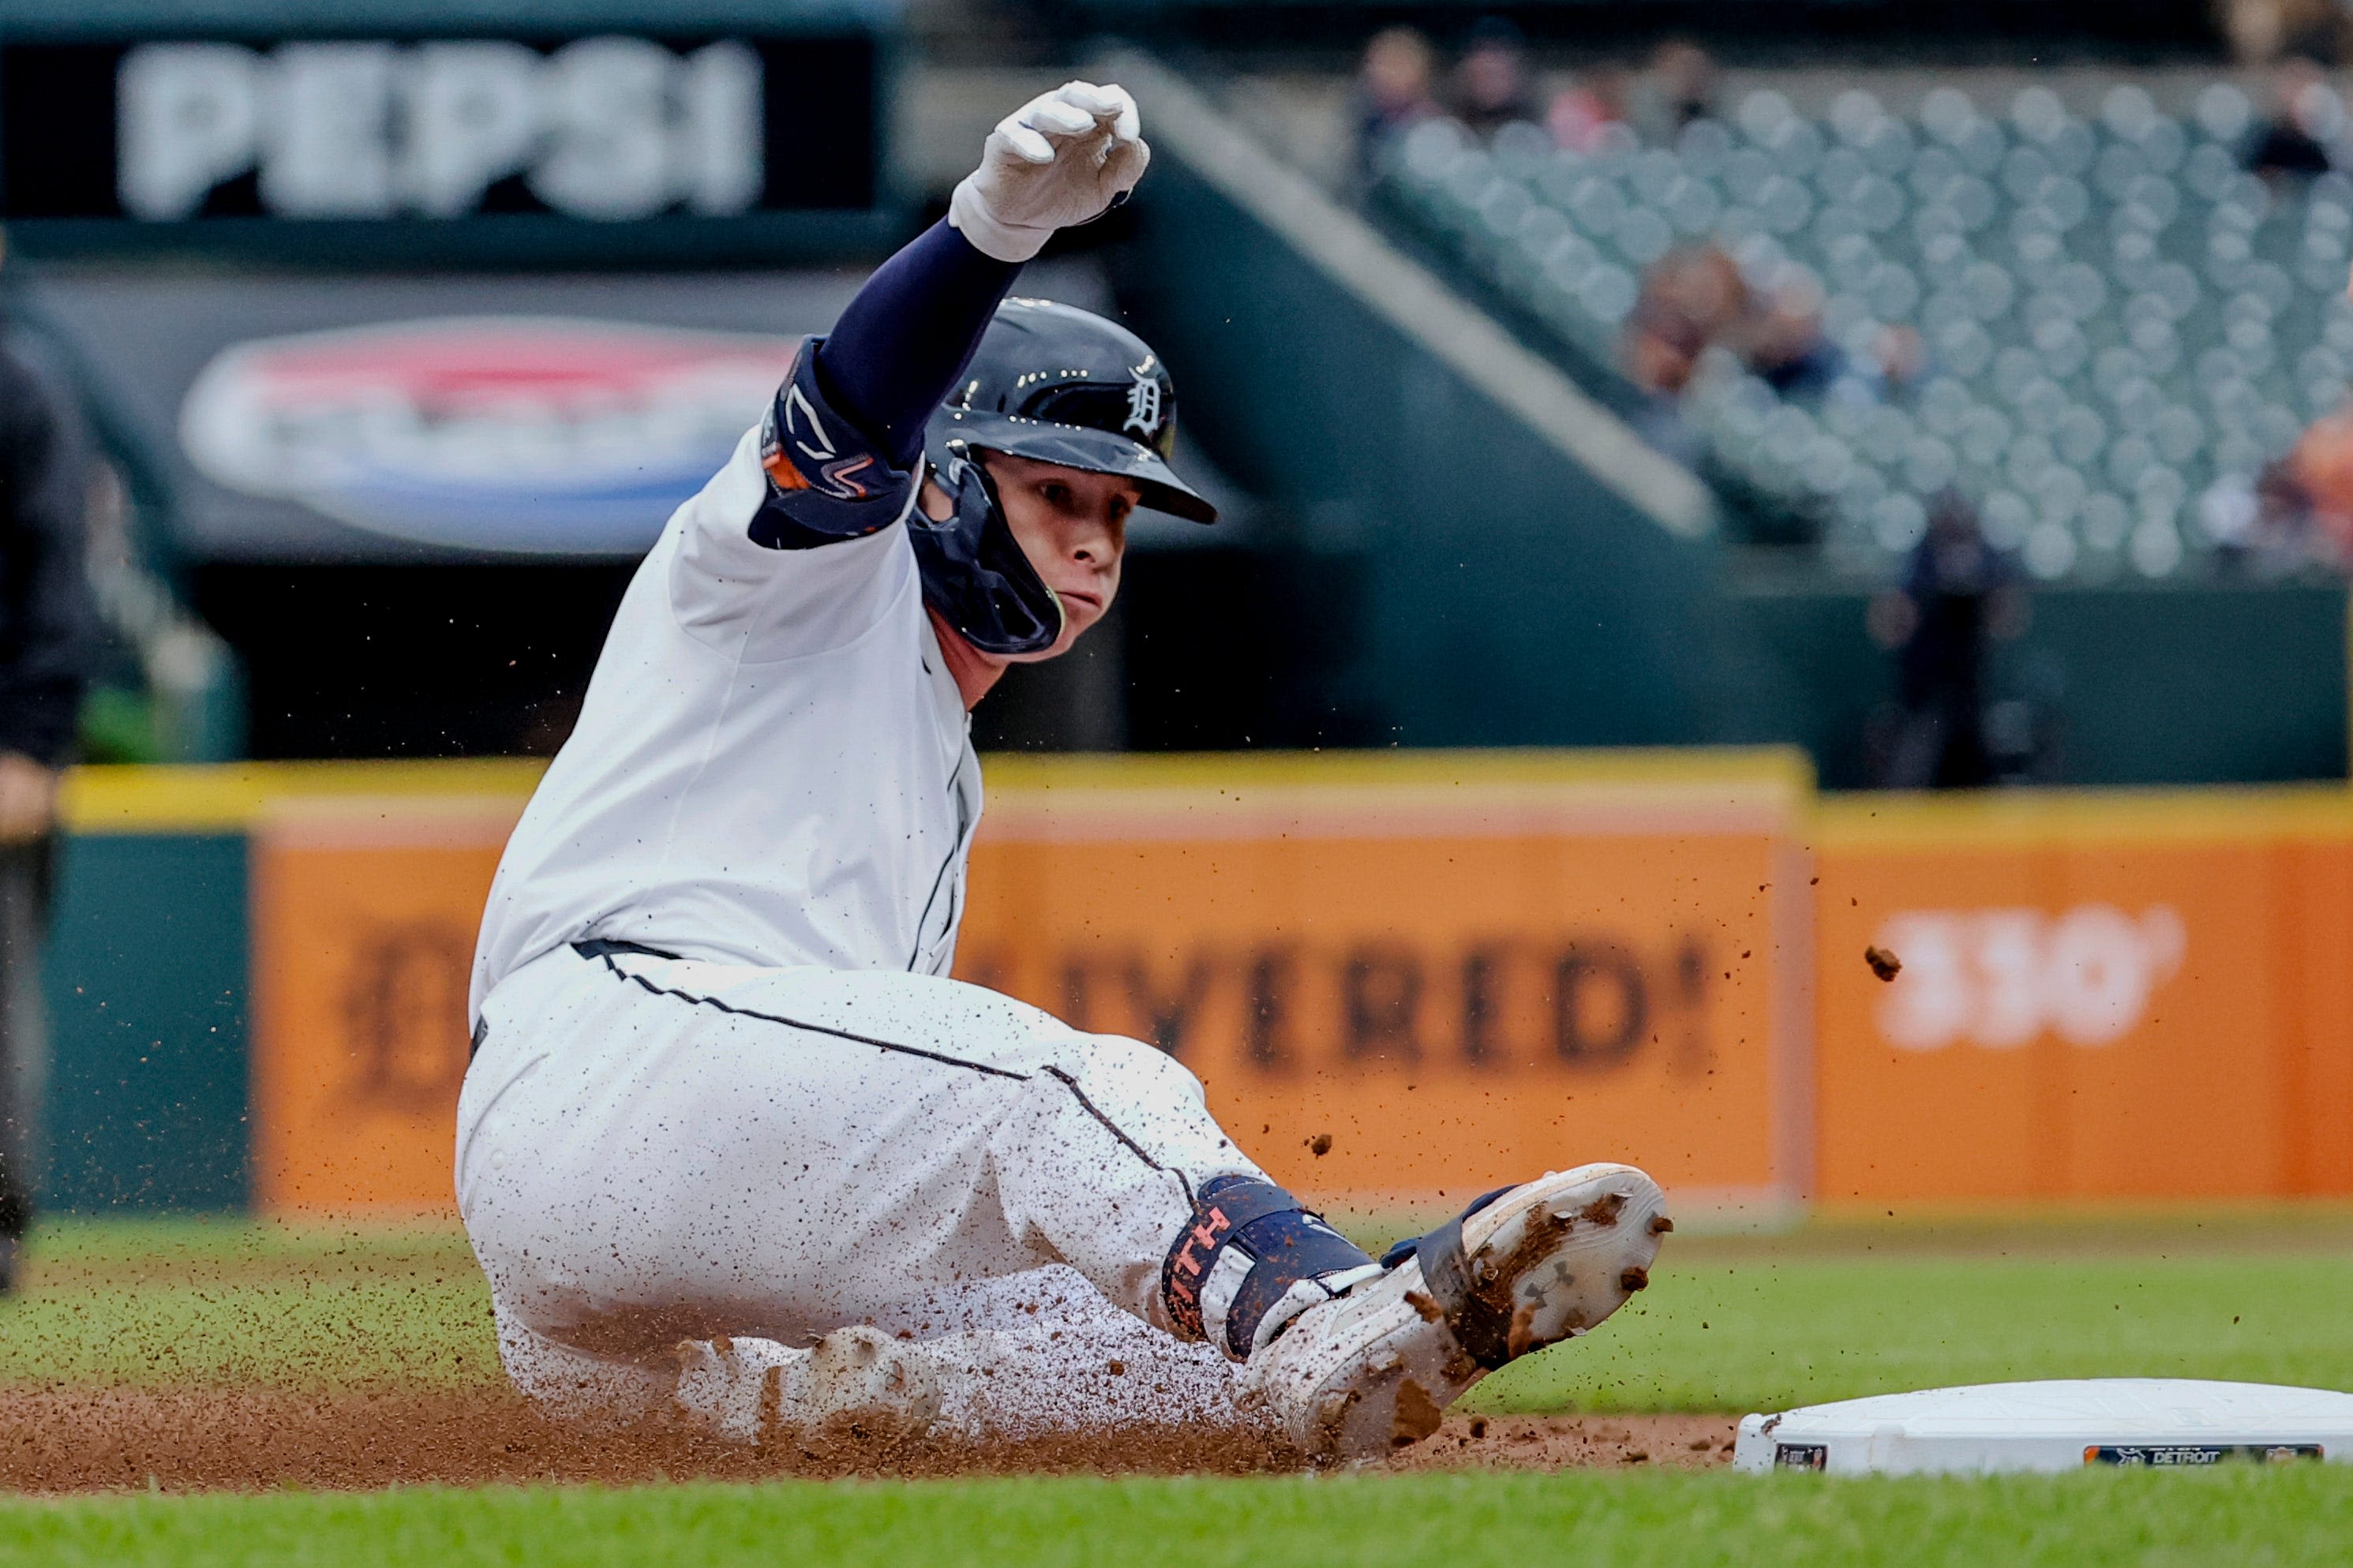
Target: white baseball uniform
<point x="723" y="1093"/>
<point x="795" y="1123"/>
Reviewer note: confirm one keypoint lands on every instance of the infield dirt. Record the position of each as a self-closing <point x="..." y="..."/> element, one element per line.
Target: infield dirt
<point x="245" y="1355"/>
<point x="67" y="1440"/>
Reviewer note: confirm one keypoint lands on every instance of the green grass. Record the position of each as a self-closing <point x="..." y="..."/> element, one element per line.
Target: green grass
<point x="2248" y="1516"/>
<point x="172" y="1302"/>
<point x="1767" y="1334"/>
<point x="1729" y="1324"/>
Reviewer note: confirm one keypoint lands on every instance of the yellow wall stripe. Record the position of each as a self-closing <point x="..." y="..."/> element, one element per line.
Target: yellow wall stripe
<point x="2026" y="819"/>
<point x="229" y="797"/>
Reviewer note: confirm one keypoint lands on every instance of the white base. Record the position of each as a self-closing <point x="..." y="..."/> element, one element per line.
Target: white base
<point x="2061" y="1425"/>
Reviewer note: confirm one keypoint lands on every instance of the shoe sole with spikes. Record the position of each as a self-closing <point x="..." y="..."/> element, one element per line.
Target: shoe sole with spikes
<point x="1374" y="1370"/>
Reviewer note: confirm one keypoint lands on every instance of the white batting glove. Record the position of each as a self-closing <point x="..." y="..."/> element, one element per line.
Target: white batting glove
<point x="1061" y="159"/>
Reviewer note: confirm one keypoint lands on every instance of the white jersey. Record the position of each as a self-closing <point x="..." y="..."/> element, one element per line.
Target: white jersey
<point x="774" y="765"/>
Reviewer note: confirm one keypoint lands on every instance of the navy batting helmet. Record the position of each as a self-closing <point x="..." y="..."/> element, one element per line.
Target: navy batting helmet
<point x="1056" y="385"/>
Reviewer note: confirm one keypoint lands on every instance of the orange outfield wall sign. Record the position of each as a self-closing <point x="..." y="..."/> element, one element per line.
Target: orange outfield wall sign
<point x="2103" y="997"/>
<point x="364" y="918"/>
<point x="1445" y="972"/>
<point x="1461" y="969"/>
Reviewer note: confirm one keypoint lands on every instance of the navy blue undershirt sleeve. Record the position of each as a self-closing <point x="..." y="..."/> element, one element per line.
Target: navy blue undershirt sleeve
<point x="899" y="347"/>
<point x="842" y="445"/>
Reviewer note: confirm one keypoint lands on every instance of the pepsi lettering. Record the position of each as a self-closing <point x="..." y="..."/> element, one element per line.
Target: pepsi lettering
<point x="605" y="128"/>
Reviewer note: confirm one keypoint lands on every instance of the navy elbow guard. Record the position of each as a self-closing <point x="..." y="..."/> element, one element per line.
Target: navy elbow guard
<point x="1251" y="1259"/>
<point x="827" y="482"/>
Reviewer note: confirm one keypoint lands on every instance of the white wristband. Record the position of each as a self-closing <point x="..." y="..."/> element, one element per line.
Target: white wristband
<point x="968" y="214"/>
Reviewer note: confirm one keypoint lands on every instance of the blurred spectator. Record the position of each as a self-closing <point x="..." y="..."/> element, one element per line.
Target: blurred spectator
<point x="1681" y="90"/>
<point x="1898" y="363"/>
<point x="2297" y="512"/>
<point x="1691" y="298"/>
<point x="48" y="625"/>
<point x="2261" y="526"/>
<point x="1778" y="337"/>
<point x="1695" y="297"/>
<point x="1492" y="83"/>
<point x="1392" y="94"/>
<point x="2262" y="31"/>
<point x="2305" y="117"/>
<point x="1784" y="344"/>
<point x="1660" y="351"/>
<point x="1958" y="595"/>
<point x="1582" y="117"/>
<point x="2320" y="472"/>
<point x="1702" y="284"/>
<point x="2279" y="514"/>
<point x="2228" y="512"/>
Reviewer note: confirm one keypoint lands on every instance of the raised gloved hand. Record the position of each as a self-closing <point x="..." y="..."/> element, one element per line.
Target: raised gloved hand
<point x="1063" y="158"/>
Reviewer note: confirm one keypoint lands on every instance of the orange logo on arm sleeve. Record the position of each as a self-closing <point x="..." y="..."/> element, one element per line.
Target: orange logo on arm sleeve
<point x="780" y="470"/>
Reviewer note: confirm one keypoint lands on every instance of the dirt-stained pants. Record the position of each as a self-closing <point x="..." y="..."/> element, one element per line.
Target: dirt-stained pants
<point x="652" y="1150"/>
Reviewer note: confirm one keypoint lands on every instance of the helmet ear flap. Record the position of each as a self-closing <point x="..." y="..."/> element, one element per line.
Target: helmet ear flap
<point x="975" y="574"/>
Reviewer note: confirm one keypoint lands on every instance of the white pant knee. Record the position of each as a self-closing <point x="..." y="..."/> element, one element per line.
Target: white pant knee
<point x="1098" y="1160"/>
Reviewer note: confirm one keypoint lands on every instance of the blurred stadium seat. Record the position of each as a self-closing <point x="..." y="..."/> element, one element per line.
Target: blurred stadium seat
<point x="2116" y="315"/>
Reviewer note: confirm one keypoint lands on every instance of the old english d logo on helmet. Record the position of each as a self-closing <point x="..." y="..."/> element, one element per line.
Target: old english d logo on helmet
<point x="1061" y="386"/>
<point x="1056" y="384"/>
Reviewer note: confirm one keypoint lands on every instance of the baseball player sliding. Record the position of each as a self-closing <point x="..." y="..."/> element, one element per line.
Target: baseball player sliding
<point x="731" y="1144"/>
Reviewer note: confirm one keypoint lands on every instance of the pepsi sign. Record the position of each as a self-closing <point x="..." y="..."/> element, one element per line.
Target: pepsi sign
<point x="605" y="128"/>
<point x="537" y="433"/>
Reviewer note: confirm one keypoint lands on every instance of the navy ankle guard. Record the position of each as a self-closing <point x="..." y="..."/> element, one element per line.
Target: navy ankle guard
<point x="1482" y="1330"/>
<point x="1249" y="1244"/>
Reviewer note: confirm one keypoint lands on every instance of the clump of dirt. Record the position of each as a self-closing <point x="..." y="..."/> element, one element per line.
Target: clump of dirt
<point x="1883" y="963"/>
<point x="1602" y="1212"/>
<point x="91" y="1439"/>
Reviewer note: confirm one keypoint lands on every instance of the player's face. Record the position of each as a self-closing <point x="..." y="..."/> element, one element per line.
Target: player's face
<point x="1072" y="525"/>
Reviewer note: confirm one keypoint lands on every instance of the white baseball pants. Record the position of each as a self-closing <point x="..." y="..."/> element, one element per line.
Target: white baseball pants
<point x="653" y="1150"/>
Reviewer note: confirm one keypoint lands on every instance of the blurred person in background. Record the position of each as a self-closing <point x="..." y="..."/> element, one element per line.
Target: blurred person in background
<point x="1658" y="353"/>
<point x="1775" y="329"/>
<point x="1896" y="364"/>
<point x="1691" y="296"/>
<point x="1582" y="117"/>
<point x="47" y="640"/>
<point x="1492" y="87"/>
<point x="1681" y="89"/>
<point x="2261" y="31"/>
<point x="1784" y="345"/>
<point x="1392" y="95"/>
<point x="2267" y="526"/>
<point x="1957" y="596"/>
<point x="2229" y="511"/>
<point x="1702" y="284"/>
<point x="2319" y="472"/>
<point x="2295" y="139"/>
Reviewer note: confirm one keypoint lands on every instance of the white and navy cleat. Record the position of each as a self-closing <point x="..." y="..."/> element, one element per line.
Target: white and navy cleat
<point x="856" y="1382"/>
<point x="1374" y="1370"/>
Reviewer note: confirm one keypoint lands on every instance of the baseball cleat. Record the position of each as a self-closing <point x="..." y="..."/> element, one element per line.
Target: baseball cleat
<point x="857" y="1382"/>
<point x="1374" y="1369"/>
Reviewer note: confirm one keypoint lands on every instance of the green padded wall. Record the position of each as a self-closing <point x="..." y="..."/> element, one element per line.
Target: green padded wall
<point x="147" y="992"/>
<point x="2151" y="684"/>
